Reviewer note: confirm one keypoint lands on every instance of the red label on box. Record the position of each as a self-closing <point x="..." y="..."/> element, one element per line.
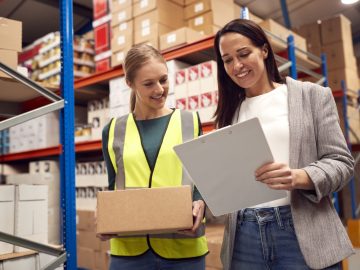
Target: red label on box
<point x="103" y="65"/>
<point x="193" y="73"/>
<point x="206" y="69"/>
<point x="193" y="102"/>
<point x="206" y="99"/>
<point x="180" y="77"/>
<point x="101" y="8"/>
<point x="102" y="38"/>
<point x="181" y="104"/>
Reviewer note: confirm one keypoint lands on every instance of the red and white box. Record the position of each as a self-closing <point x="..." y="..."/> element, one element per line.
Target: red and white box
<point x="100" y="8"/>
<point x="194" y="88"/>
<point x="102" y="34"/>
<point x="180" y="89"/>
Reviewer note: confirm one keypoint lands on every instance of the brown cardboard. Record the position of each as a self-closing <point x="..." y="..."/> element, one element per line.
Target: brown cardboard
<point x="214" y="236"/>
<point x="148" y="210"/>
<point x="85" y="258"/>
<point x="121" y="41"/>
<point x="9" y="58"/>
<point x="338" y="56"/>
<point x="210" y="18"/>
<point x="311" y="32"/>
<point x="225" y="7"/>
<point x="10" y="34"/>
<point x="117" y="5"/>
<point x="172" y="19"/>
<point x="178" y="37"/>
<point x="151" y="33"/>
<point x="179" y="2"/>
<point x="88" y="239"/>
<point x="283" y="33"/>
<point x="252" y="17"/>
<point x="335" y="29"/>
<point x="101" y="260"/>
<point x="122" y="15"/>
<point x="85" y="220"/>
<point x="166" y="6"/>
<point x="348" y="75"/>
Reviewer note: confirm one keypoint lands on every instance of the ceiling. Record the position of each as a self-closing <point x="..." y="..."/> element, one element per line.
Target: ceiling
<point x="40" y="17"/>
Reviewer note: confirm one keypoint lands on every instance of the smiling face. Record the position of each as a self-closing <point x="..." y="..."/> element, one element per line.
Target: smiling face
<point x="244" y="63"/>
<point x="151" y="87"/>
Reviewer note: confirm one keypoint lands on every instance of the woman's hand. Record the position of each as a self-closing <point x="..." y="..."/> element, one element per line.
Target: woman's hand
<point x="106" y="237"/>
<point x="198" y="213"/>
<point x="279" y="176"/>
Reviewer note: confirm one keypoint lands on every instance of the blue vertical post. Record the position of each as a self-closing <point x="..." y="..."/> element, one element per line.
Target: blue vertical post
<point x="347" y="137"/>
<point x="285" y="14"/>
<point x="67" y="157"/>
<point x="324" y="69"/>
<point x="291" y="56"/>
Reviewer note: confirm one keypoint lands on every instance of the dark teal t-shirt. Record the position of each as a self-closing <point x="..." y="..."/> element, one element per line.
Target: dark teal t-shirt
<point x="151" y="133"/>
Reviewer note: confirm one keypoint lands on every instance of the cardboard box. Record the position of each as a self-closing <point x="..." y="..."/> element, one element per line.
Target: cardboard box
<point x="44" y="166"/>
<point x="336" y="29"/>
<point x="9" y="58"/>
<point x="339" y="56"/>
<point x="214" y="236"/>
<point x="10" y="34"/>
<point x="100" y="8"/>
<point x="152" y="210"/>
<point x="225" y="7"/>
<point x="102" y="260"/>
<point x="7" y="211"/>
<point x="283" y="33"/>
<point x="122" y="15"/>
<point x="121" y="41"/>
<point x="28" y="263"/>
<point x="311" y="32"/>
<point x="117" y="5"/>
<point x="102" y="37"/>
<point x="348" y="75"/>
<point x="252" y="17"/>
<point x="85" y="258"/>
<point x="180" y="89"/>
<point x="179" y="2"/>
<point x="117" y="58"/>
<point x="151" y="34"/>
<point x="353" y="226"/>
<point x="170" y="12"/>
<point x="174" y="66"/>
<point x="31" y="208"/>
<point x="173" y="19"/>
<point x="179" y="37"/>
<point x="210" y="18"/>
<point x="85" y="220"/>
<point x="88" y="239"/>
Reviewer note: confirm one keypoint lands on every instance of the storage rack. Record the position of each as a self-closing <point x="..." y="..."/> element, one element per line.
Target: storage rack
<point x="200" y="51"/>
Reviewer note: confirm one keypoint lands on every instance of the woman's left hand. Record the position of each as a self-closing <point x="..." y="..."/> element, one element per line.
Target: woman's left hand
<point x="198" y="213"/>
<point x="279" y="176"/>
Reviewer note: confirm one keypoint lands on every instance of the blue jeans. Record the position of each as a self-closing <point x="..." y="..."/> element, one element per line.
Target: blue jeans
<point x="265" y="240"/>
<point x="150" y="261"/>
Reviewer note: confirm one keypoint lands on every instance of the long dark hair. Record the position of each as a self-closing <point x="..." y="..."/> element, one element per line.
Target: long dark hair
<point x="230" y="94"/>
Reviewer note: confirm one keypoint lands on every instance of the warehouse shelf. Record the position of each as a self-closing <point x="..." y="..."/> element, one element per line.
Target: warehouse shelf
<point x="9" y="256"/>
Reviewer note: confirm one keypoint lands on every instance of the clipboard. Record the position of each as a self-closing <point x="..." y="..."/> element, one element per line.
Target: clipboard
<point x="222" y="165"/>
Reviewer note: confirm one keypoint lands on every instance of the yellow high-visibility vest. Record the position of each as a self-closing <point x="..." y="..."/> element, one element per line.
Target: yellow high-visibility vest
<point x="132" y="171"/>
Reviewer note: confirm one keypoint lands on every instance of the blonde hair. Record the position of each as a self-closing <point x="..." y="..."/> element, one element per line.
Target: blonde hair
<point x="136" y="57"/>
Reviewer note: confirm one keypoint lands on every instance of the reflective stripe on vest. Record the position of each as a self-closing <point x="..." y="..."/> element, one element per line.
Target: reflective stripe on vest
<point x="124" y="147"/>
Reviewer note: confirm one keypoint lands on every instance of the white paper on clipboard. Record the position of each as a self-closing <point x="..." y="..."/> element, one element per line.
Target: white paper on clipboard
<point x="222" y="165"/>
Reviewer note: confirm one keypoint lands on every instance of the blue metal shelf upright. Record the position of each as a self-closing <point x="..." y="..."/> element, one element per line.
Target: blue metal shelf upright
<point x="67" y="157"/>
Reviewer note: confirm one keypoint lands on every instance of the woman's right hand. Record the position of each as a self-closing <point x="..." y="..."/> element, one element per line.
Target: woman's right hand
<point x="106" y="237"/>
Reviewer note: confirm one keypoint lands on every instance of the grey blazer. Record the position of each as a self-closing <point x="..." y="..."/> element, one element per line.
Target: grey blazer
<point x="317" y="145"/>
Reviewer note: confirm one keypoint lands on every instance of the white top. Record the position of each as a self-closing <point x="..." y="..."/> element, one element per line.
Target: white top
<point x="272" y="110"/>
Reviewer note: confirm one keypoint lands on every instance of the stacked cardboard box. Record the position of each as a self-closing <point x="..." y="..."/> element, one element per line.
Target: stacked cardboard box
<point x="92" y="253"/>
<point x="337" y="44"/>
<point x="122" y="24"/>
<point x="153" y="18"/>
<point x="102" y="34"/>
<point x="45" y="173"/>
<point x="98" y="117"/>
<point x="207" y="16"/>
<point x="37" y="133"/>
<point x="10" y="43"/>
<point x="119" y="97"/>
<point x="196" y="89"/>
<point x="214" y="236"/>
